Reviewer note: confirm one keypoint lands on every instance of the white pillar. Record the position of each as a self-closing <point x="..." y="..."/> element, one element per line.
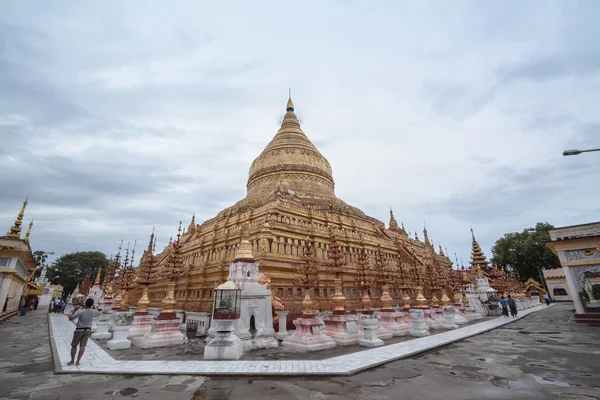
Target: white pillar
<point x="282" y="332"/>
<point x="6" y="282"/>
<point x="572" y="282"/>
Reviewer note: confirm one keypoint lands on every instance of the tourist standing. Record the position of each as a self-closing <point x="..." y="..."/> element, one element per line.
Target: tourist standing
<point x="83" y="328"/>
<point x="51" y="306"/>
<point x="513" y="306"/>
<point x="547" y="298"/>
<point x="504" y="305"/>
<point x="61" y="306"/>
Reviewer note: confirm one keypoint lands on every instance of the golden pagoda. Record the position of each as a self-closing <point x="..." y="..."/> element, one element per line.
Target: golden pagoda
<point x="290" y="203"/>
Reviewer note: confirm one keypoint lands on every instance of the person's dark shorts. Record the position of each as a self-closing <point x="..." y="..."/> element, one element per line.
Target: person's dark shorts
<point x="80" y="337"/>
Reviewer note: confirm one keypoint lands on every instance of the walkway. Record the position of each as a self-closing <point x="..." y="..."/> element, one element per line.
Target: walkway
<point x="98" y="361"/>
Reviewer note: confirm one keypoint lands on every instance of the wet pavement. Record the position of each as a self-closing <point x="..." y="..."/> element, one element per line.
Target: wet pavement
<point x="543" y="356"/>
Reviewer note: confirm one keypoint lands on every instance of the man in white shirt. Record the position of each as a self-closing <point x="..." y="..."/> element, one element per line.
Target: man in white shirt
<point x="83" y="328"/>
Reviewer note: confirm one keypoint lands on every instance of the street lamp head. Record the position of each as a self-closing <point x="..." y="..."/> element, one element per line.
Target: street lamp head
<point x="572" y="152"/>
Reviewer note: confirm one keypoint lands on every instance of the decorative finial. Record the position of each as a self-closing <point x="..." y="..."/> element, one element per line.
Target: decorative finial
<point x="441" y="251"/>
<point x="29" y="230"/>
<point x="290" y="105"/>
<point x="133" y="253"/>
<point x="15" y="230"/>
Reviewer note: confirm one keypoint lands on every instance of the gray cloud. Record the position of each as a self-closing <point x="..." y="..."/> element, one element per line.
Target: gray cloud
<point x="115" y="118"/>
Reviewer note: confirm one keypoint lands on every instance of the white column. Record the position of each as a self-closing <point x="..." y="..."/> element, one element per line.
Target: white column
<point x="6" y="282"/>
<point x="17" y="299"/>
<point x="282" y="323"/>
<point x="572" y="282"/>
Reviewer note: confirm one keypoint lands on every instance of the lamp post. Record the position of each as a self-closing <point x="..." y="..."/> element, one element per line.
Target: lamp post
<point x="574" y="152"/>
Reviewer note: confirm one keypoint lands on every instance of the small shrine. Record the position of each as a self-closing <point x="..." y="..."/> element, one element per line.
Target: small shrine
<point x="255" y="324"/>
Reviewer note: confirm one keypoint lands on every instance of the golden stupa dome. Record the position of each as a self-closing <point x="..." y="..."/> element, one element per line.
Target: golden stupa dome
<point x="290" y="165"/>
<point x="291" y="162"/>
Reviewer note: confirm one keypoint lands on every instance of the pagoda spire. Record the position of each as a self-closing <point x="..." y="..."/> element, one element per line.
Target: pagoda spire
<point x="97" y="281"/>
<point x="478" y="259"/>
<point x="426" y="238"/>
<point x="441" y="251"/>
<point x="29" y="231"/>
<point x="15" y="229"/>
<point x="393" y="225"/>
<point x="290" y="104"/>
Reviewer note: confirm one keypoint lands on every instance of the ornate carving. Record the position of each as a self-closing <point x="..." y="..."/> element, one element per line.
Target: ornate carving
<point x="585" y="254"/>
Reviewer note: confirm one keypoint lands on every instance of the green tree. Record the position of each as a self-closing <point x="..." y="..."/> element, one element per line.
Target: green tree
<point x="526" y="251"/>
<point x="72" y="268"/>
<point x="39" y="257"/>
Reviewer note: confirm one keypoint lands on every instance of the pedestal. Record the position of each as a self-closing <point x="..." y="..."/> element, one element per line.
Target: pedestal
<point x="119" y="340"/>
<point x="226" y="345"/>
<point x="164" y="332"/>
<point x="369" y="324"/>
<point x="459" y="316"/>
<point x="419" y="327"/>
<point x="448" y="314"/>
<point x="391" y="321"/>
<point x="308" y="336"/>
<point x="94" y="324"/>
<point x="142" y="324"/>
<point x="282" y="331"/>
<point x="343" y="329"/>
<point x="472" y="314"/>
<point x="102" y="332"/>
<point x="432" y="322"/>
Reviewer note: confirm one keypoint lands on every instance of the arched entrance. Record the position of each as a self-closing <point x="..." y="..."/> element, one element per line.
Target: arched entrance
<point x="252" y="325"/>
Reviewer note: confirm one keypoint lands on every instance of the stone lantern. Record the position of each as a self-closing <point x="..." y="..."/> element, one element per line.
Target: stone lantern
<point x="226" y="311"/>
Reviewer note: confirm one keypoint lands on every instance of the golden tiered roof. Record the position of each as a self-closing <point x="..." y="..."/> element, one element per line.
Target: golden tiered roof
<point x="478" y="259"/>
<point x="15" y="230"/>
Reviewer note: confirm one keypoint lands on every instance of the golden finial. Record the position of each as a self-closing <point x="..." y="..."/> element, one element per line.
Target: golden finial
<point x="290" y="105"/>
<point x="393" y="224"/>
<point x="15" y="230"/>
<point x="133" y="253"/>
<point x="29" y="230"/>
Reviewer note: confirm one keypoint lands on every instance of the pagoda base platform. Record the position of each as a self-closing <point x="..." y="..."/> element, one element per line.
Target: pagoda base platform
<point x="391" y="322"/>
<point x="343" y="329"/>
<point x="165" y="332"/>
<point x="308" y="336"/>
<point x="141" y="325"/>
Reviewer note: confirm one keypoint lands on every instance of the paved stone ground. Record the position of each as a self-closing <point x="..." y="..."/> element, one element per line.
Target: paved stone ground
<point x="542" y="356"/>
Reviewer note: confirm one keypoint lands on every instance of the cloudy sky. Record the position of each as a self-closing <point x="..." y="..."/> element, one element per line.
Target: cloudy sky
<point x="119" y="116"/>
